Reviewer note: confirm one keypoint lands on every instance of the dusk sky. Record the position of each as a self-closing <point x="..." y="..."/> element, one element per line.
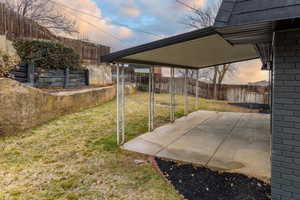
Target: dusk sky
<point x="123" y="19"/>
<point x="115" y="23"/>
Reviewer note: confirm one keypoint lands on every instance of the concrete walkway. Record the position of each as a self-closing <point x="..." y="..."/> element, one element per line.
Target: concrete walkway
<point x="231" y="142"/>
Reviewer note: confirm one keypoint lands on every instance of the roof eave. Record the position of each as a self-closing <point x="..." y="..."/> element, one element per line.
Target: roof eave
<point x="117" y="56"/>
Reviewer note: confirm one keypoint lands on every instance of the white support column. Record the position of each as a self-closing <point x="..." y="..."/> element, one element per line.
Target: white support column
<point x="186" y="99"/>
<point x="153" y="98"/>
<point x="151" y="109"/>
<point x="197" y="90"/>
<point x="120" y="105"/>
<point x="123" y="104"/>
<point x="172" y="95"/>
<point x="149" y="100"/>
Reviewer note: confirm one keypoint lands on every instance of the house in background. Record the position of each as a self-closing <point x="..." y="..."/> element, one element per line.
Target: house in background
<point x="245" y="30"/>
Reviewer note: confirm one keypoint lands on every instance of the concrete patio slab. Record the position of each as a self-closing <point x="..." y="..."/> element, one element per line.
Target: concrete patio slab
<point x="245" y="151"/>
<point x="231" y="142"/>
<point x="199" y="144"/>
<point x="165" y="135"/>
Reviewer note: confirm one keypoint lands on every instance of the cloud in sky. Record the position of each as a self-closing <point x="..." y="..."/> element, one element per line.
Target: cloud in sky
<point x="249" y="71"/>
<point x="96" y="27"/>
<point x="131" y="12"/>
<point x="129" y="8"/>
<point x="195" y="3"/>
<point x="155" y="16"/>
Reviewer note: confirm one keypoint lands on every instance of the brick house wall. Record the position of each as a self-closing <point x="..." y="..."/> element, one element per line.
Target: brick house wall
<point x="286" y="117"/>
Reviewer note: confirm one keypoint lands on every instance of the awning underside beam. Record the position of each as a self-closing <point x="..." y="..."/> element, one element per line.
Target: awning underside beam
<point x="199" y="49"/>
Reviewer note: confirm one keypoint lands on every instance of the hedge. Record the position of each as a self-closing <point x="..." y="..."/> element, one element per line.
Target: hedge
<point x="47" y="55"/>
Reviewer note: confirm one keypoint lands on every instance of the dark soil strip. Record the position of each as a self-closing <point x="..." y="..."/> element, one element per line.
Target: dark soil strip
<point x="263" y="108"/>
<point x="196" y="183"/>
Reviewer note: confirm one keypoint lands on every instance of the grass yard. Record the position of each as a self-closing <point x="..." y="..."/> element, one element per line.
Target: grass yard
<point x="76" y="157"/>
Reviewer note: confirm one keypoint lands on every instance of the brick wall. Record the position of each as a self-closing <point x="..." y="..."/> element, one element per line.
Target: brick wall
<point x="286" y="117"/>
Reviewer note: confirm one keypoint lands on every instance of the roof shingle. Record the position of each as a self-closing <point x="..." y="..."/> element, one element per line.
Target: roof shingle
<point x="240" y="12"/>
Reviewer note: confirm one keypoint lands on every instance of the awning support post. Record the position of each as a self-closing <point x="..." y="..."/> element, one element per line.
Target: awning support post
<point x="172" y="95"/>
<point x="197" y="89"/>
<point x="151" y="109"/>
<point x="120" y="105"/>
<point x="186" y="100"/>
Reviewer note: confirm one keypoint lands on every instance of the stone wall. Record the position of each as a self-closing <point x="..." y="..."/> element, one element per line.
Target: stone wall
<point x="286" y="117"/>
<point x="23" y="107"/>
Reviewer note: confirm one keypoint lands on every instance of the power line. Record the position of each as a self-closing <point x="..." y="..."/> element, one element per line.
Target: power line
<point x="186" y="5"/>
<point x="117" y="23"/>
<point x="100" y="29"/>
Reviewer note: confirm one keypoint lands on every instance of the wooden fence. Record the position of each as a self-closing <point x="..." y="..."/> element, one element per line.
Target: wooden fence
<point x="232" y="93"/>
<point x="26" y="73"/>
<point x="21" y="73"/>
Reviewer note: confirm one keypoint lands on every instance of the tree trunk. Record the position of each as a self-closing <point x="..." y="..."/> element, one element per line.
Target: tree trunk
<point x="221" y="75"/>
<point x="215" y="93"/>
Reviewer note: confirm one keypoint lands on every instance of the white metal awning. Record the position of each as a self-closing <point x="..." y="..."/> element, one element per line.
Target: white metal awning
<point x="197" y="49"/>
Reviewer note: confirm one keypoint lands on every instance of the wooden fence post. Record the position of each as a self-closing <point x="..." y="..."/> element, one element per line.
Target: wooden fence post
<point x="30" y="74"/>
<point x="87" y="77"/>
<point x="67" y="77"/>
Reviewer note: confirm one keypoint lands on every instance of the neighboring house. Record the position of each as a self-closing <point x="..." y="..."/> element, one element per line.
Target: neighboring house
<point x="260" y="83"/>
<point x="245" y="30"/>
<point x="13" y="26"/>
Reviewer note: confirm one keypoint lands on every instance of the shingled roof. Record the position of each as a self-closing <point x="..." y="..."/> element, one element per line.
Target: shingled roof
<point x="240" y="12"/>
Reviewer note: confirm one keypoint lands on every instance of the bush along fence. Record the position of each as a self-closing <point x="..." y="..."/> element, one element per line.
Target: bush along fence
<point x="59" y="78"/>
<point x="49" y="64"/>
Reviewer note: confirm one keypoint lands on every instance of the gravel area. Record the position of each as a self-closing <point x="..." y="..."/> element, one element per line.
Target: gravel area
<point x="196" y="183"/>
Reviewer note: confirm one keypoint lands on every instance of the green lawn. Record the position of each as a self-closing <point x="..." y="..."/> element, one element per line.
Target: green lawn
<point x="76" y="157"/>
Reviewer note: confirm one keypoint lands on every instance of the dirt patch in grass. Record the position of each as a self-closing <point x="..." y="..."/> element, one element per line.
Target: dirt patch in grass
<point x="196" y="183"/>
<point x="72" y="89"/>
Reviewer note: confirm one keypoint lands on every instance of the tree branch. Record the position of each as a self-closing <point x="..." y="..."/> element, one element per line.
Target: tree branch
<point x="45" y="13"/>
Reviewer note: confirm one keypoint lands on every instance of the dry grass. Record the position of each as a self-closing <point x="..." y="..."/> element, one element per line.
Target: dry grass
<point x="75" y="156"/>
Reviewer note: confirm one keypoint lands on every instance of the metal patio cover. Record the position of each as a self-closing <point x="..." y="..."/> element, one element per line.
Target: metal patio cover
<point x="197" y="49"/>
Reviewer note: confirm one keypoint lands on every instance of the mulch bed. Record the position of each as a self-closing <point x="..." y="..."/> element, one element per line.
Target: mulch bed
<point x="196" y="183"/>
<point x="262" y="108"/>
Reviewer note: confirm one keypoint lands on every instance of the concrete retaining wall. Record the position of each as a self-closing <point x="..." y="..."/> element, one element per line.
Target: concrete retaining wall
<point x="23" y="107"/>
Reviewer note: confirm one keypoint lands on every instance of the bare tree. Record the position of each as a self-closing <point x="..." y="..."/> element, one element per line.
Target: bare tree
<point x="45" y="12"/>
<point x="201" y="18"/>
